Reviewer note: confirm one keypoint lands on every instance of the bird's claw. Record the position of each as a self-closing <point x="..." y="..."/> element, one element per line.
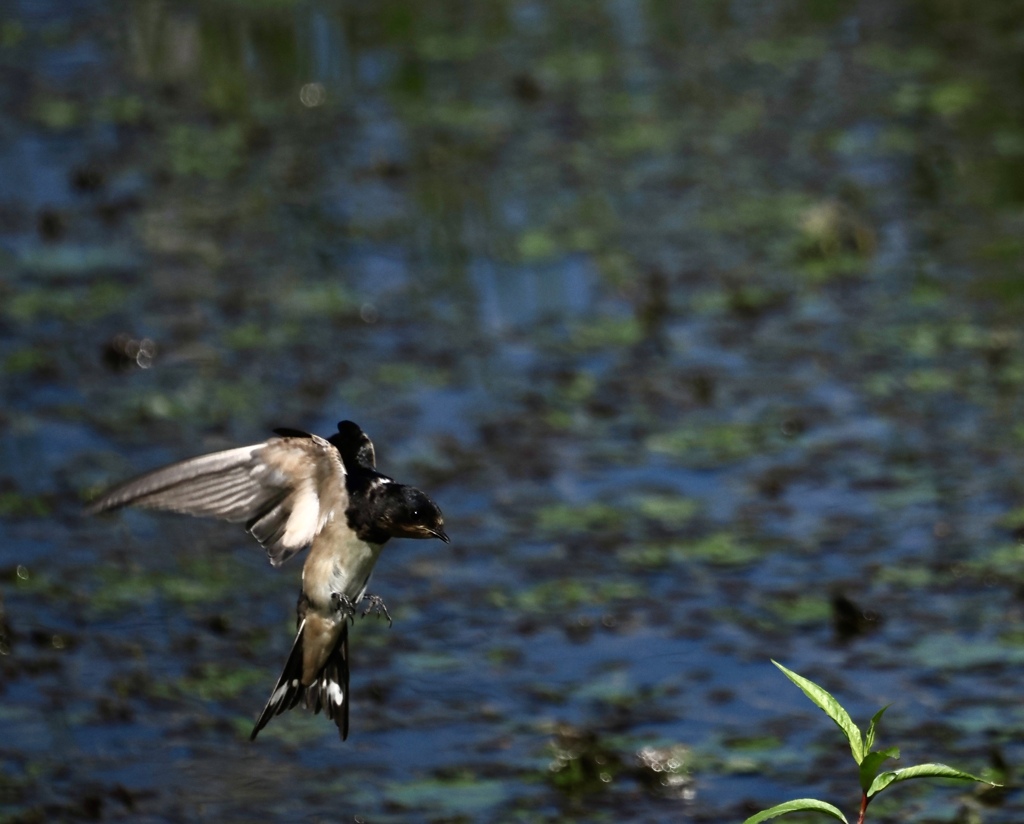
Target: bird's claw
<point x="377" y="607"/>
<point x="342" y="603"/>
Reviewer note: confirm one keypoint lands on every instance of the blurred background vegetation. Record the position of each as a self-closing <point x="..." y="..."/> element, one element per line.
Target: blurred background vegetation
<point x="700" y="320"/>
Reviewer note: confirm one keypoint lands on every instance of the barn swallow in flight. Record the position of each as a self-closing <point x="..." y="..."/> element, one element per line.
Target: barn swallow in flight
<point x="292" y="491"/>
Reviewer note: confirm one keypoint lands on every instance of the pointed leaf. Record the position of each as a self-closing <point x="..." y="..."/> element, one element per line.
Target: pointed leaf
<point x="797" y="805"/>
<point x="872" y="763"/>
<point x="869" y="738"/>
<point x="883" y="780"/>
<point x="833" y="709"/>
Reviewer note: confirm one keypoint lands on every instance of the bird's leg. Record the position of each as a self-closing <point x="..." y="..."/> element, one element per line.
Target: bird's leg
<point x="340" y="602"/>
<point x="377" y="607"/>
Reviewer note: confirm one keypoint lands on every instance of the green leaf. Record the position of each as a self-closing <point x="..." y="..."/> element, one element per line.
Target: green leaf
<point x="833" y="709"/>
<point x="883" y="780"/>
<point x="872" y="762"/>
<point x="869" y="738"/>
<point x="797" y="805"/>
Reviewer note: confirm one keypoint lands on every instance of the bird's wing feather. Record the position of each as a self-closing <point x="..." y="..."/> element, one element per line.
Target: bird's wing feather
<point x="283" y="490"/>
<point x="355" y="446"/>
<point x="215" y="485"/>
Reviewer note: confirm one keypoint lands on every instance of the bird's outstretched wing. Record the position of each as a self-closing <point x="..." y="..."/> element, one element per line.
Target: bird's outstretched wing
<point x="284" y="490"/>
<point x="355" y="446"/>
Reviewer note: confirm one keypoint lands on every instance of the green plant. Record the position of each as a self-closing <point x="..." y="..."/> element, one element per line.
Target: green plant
<point x="869" y="762"/>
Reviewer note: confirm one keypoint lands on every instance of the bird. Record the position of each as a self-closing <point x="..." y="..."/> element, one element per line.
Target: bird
<point x="292" y="491"/>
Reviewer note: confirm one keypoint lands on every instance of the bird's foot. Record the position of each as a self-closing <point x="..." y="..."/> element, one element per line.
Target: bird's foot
<point x="377" y="607"/>
<point x="340" y="602"/>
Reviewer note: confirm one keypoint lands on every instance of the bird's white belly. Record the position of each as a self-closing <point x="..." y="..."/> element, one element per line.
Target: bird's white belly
<point x="343" y="567"/>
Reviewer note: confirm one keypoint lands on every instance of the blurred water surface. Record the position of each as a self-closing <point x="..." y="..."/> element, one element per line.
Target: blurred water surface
<point x="701" y="321"/>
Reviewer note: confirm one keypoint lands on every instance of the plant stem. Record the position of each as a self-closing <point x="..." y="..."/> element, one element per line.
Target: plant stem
<point x="863" y="808"/>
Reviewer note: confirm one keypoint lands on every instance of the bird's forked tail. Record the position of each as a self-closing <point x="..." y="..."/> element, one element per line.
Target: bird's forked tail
<point x="328" y="692"/>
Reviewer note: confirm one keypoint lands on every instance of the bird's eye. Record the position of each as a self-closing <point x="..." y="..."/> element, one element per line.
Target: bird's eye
<point x="415" y="513"/>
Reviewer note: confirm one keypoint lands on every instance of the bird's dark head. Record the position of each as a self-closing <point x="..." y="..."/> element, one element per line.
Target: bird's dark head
<point x="411" y="514"/>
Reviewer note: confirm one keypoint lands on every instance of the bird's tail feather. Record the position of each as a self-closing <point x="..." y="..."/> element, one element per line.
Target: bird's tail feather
<point x="288" y="690"/>
<point x="329" y="691"/>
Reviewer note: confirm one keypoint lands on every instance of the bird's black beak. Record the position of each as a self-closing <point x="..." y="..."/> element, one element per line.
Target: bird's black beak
<point x="439" y="533"/>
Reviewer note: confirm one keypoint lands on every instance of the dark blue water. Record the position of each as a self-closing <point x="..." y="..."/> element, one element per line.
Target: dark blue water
<point x="692" y="319"/>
